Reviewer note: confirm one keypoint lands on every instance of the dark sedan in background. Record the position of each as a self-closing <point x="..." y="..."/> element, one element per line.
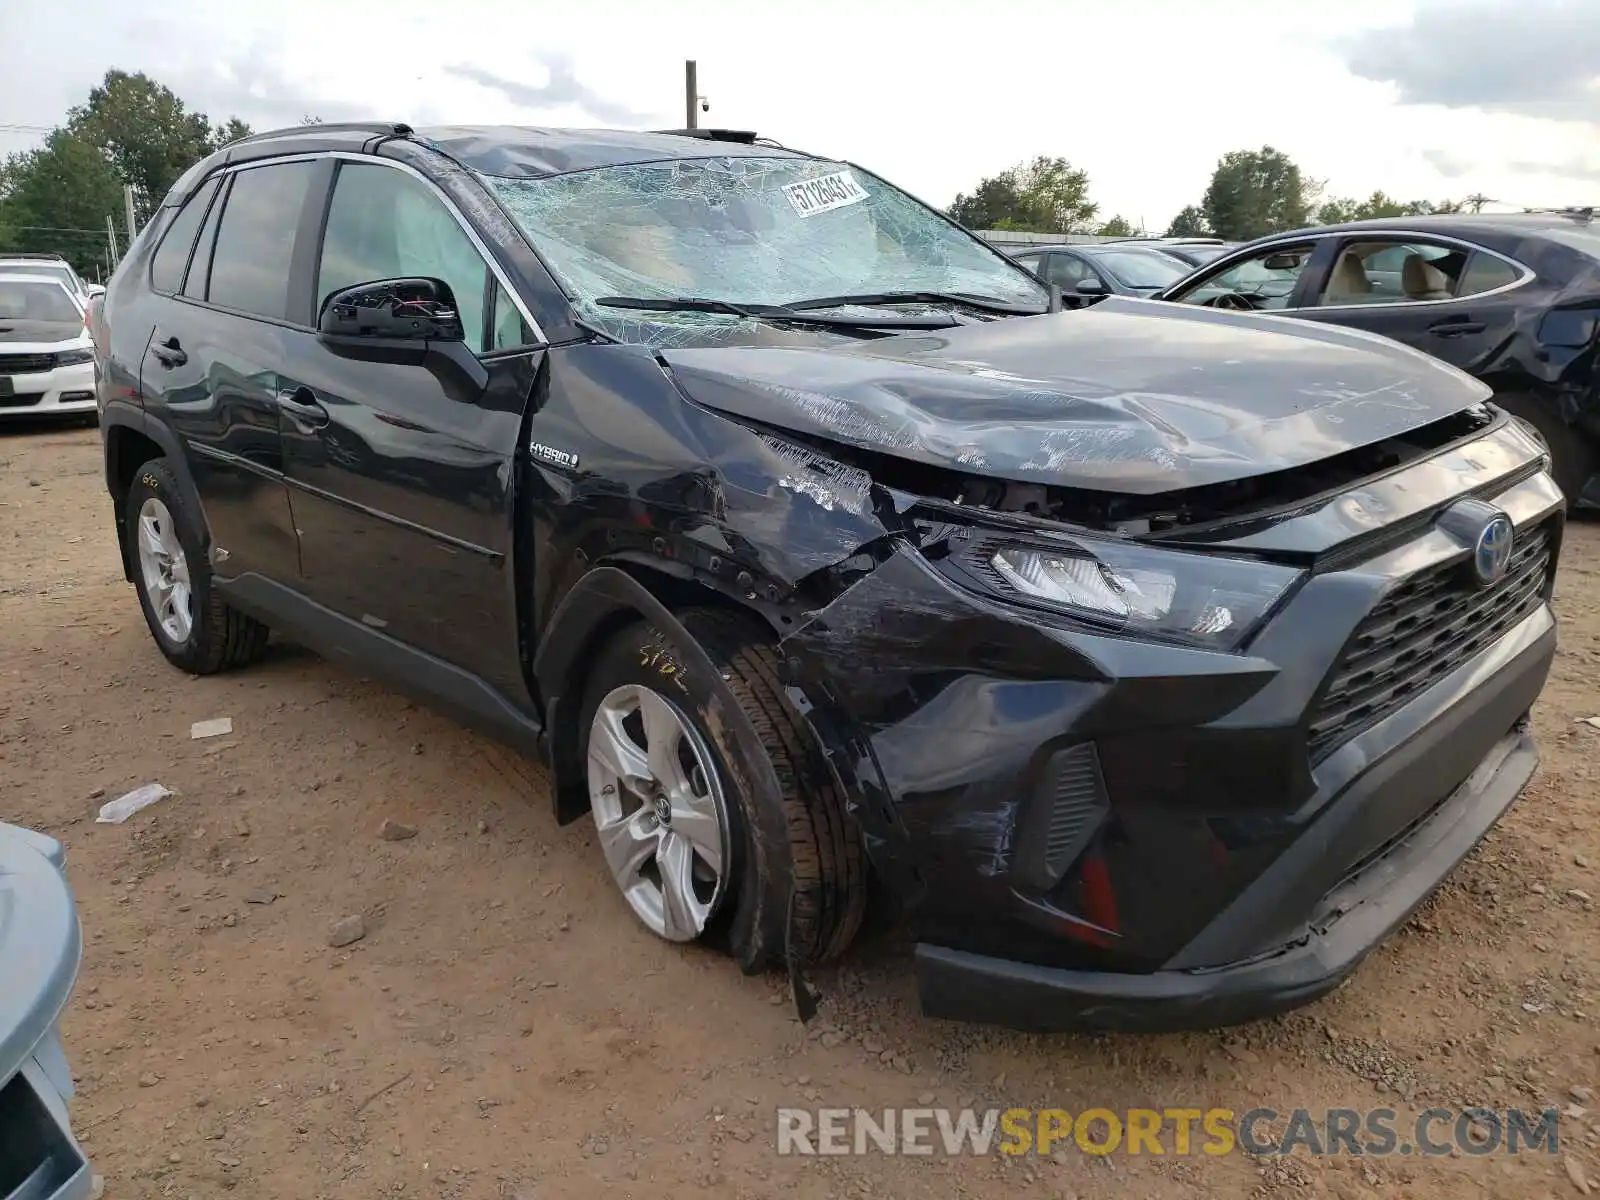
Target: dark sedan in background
<point x="1192" y="251"/>
<point x="1511" y="298"/>
<point x="1088" y="272"/>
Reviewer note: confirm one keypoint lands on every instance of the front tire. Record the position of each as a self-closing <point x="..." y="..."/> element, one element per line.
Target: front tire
<point x="681" y="833"/>
<point x="192" y="625"/>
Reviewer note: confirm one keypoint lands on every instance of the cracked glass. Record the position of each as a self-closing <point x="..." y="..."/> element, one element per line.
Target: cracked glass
<point x="749" y="231"/>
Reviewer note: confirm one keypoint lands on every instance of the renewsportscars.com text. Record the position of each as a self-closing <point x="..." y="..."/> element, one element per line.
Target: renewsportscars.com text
<point x="1262" y="1132"/>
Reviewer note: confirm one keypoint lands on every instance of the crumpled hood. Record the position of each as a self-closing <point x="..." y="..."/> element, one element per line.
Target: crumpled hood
<point x="41" y="942"/>
<point x="1134" y="396"/>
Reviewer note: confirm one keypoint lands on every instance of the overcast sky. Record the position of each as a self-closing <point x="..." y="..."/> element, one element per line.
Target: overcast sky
<point x="1428" y="99"/>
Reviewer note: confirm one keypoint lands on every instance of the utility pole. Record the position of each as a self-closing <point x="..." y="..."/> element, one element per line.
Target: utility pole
<point x="691" y="93"/>
<point x="111" y="239"/>
<point x="127" y="205"/>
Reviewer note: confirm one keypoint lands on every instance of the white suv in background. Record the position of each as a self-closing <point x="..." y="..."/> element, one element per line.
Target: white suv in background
<point x="52" y="266"/>
<point x="46" y="358"/>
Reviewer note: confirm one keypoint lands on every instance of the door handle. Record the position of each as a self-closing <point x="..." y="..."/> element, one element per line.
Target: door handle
<point x="169" y="353"/>
<point x="1455" y="327"/>
<point x="303" y="408"/>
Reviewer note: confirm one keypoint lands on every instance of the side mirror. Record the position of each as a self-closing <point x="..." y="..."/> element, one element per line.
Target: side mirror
<point x="417" y="309"/>
<point x="1090" y="287"/>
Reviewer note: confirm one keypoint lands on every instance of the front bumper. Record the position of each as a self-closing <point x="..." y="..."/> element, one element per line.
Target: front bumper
<point x="40" y="949"/>
<point x="64" y="391"/>
<point x="1089" y="830"/>
<point x="1348" y="925"/>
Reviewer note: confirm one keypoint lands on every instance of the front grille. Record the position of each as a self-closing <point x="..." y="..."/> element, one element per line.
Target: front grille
<point x="26" y="364"/>
<point x="23" y="400"/>
<point x="1423" y="629"/>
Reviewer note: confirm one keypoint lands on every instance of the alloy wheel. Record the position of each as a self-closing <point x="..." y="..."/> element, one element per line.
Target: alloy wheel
<point x="659" y="810"/>
<point x="165" y="570"/>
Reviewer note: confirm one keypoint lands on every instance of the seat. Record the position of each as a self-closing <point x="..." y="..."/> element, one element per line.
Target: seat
<point x="1349" y="283"/>
<point x="1421" y="280"/>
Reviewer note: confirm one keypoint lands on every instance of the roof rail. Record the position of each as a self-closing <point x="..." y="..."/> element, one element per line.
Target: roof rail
<point x="746" y="136"/>
<point x="390" y="128"/>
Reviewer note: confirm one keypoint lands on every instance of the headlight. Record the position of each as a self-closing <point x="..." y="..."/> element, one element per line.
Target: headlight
<point x="1199" y="599"/>
<point x="71" y="358"/>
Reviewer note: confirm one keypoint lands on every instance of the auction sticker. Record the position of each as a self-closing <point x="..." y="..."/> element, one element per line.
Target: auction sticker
<point x="824" y="193"/>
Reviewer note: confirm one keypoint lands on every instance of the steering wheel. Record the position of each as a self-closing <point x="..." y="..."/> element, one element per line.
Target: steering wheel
<point x="1231" y="301"/>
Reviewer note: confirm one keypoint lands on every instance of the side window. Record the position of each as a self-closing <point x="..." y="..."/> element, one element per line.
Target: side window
<point x="199" y="278"/>
<point x="1066" y="270"/>
<point x="1485" y="273"/>
<point x="509" y="329"/>
<point x="383" y="224"/>
<point x="1262" y="281"/>
<point x="1387" y="271"/>
<point x="1029" y="262"/>
<point x="172" y="256"/>
<point x="255" y="242"/>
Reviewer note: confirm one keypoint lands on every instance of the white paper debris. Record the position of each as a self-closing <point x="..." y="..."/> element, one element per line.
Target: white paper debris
<point x="115" y="812"/>
<point x="212" y="728"/>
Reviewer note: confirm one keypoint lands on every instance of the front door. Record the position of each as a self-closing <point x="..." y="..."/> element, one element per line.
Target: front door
<point x="401" y="475"/>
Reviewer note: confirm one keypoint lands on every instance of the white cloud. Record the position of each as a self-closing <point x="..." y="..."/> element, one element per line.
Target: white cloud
<point x="1137" y="91"/>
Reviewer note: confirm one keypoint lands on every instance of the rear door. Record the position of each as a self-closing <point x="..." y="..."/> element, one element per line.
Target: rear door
<point x="210" y="369"/>
<point x="401" y="475"/>
<point x="1449" y="299"/>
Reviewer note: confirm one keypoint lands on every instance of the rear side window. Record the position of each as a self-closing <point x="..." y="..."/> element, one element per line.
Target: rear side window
<point x="1485" y="273"/>
<point x="172" y="256"/>
<point x="199" y="277"/>
<point x="255" y="242"/>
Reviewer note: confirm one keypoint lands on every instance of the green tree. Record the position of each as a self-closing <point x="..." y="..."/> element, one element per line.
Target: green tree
<point x="1423" y="208"/>
<point x="995" y="200"/>
<point x="56" y="198"/>
<point x="1056" y="195"/>
<point x="1337" y="211"/>
<point x="1046" y="195"/>
<point x="229" y="132"/>
<point x="1190" y="222"/>
<point x="1117" y="226"/>
<point x="1254" y="192"/>
<point x="1379" y="204"/>
<point x="147" y="133"/>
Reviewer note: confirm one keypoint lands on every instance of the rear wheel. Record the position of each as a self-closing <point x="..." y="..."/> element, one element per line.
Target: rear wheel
<point x="191" y="624"/>
<point x="682" y="833"/>
<point x="1572" y="458"/>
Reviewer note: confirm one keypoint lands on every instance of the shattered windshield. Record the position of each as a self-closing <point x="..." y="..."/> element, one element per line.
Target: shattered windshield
<point x="750" y="231"/>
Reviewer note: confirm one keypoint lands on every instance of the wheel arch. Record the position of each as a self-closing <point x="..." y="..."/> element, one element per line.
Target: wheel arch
<point x="608" y="598"/>
<point x="131" y="438"/>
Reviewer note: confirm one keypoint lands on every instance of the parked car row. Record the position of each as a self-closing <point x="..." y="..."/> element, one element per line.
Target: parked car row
<point x="46" y="356"/>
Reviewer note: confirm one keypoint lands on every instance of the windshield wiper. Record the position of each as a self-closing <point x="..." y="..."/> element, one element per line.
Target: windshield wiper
<point x="982" y="303"/>
<point x="769" y="312"/>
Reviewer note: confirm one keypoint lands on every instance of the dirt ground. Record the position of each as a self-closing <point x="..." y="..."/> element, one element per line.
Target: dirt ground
<point x="506" y="1029"/>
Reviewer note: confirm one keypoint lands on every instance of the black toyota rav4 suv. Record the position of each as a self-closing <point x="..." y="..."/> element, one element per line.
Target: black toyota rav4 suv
<point x="1158" y="660"/>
